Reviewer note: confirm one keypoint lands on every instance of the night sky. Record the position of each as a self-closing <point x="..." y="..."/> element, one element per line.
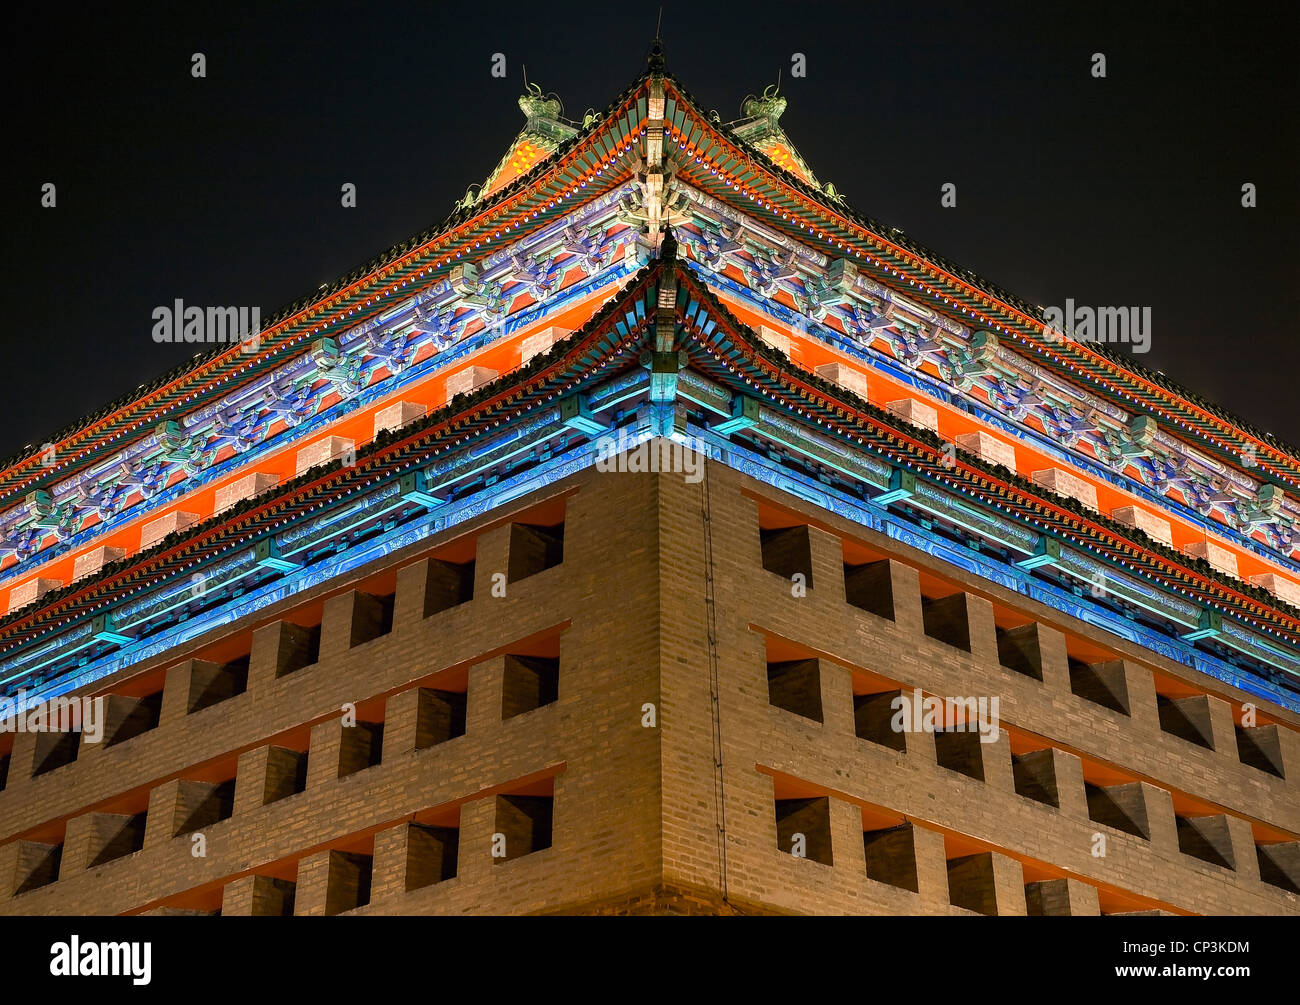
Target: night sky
<point x="226" y="190"/>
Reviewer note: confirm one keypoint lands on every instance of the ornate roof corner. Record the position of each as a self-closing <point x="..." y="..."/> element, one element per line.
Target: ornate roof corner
<point x="765" y="110"/>
<point x="544" y="115"/>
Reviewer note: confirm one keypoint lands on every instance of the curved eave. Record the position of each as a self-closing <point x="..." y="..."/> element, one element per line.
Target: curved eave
<point x="527" y="204"/>
<point x="722" y="348"/>
<point x="596" y="347"/>
<point x="732" y="170"/>
<point x="739" y="359"/>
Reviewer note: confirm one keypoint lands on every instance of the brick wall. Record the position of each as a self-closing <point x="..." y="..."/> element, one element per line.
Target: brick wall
<point x="402" y="812"/>
<point x="770" y="753"/>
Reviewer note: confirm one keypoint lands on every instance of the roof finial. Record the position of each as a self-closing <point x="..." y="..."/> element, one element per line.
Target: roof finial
<point x="668" y="247"/>
<point x="656" y="61"/>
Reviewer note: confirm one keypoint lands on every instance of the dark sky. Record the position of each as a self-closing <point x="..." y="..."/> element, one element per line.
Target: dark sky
<point x="1122" y="191"/>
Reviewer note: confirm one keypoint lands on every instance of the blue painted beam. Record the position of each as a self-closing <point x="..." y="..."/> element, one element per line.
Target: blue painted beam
<point x="267" y="556"/>
<point x="413" y="490"/>
<point x="575" y="413"/>
<point x="902" y="485"/>
<point x="744" y="413"/>
<point x="102" y="630"/>
<point x="1210" y="626"/>
<point x="1046" y="553"/>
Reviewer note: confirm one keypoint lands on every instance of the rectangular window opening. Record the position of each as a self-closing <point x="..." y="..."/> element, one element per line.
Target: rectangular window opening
<point x="1260" y="747"/>
<point x="449" y="584"/>
<point x="431" y="854"/>
<point x="870" y="587"/>
<point x="795" y="685"/>
<point x="1034" y="774"/>
<point x="529" y="683"/>
<point x="54" y="750"/>
<point x="891" y="856"/>
<point x="1187" y="718"/>
<point x="202" y="804"/>
<point x="947" y="620"/>
<point x="534" y="549"/>
<point x="362" y="747"/>
<point x="440" y="716"/>
<point x="523" y="826"/>
<point x="348" y="883"/>
<point x="874" y="718"/>
<point x="286" y="774"/>
<point x="1120" y="806"/>
<point x="803" y="828"/>
<point x="1019" y="651"/>
<point x="372" y="617"/>
<point x="1206" y="838"/>
<point x="1102" y="684"/>
<point x="299" y="648"/>
<point x="126" y="718"/>
<point x="787" y="551"/>
<point x="213" y="683"/>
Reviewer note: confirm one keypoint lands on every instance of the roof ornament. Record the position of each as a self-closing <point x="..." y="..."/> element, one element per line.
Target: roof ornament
<point x="656" y="61"/>
<point x="770" y="106"/>
<point x="540" y="108"/>
<point x="832" y="193"/>
<point x="471" y="197"/>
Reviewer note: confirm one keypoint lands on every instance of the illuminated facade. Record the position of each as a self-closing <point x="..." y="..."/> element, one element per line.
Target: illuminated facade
<point x="374" y="632"/>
